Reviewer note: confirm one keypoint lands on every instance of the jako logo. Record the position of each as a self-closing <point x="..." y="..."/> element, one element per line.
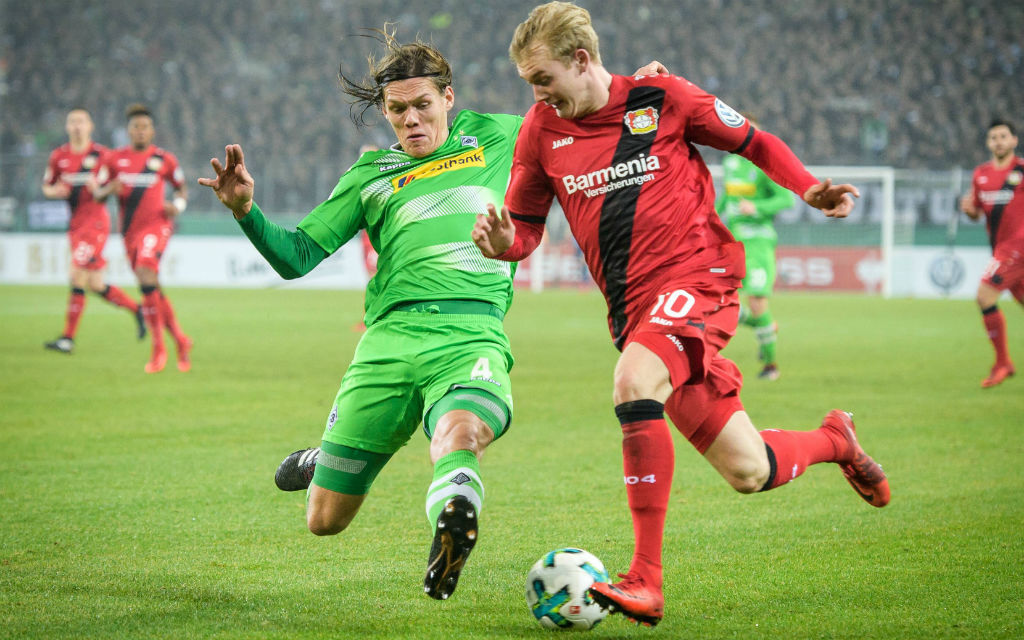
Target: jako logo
<point x="473" y="158"/>
<point x="562" y="143"/>
<point x="623" y="174"/>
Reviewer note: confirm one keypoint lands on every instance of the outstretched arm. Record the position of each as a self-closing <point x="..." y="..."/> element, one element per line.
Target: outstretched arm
<point x="778" y="161"/>
<point x="291" y="253"/>
<point x="233" y="185"/>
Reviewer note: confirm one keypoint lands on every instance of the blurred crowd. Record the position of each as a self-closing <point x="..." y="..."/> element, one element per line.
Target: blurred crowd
<point x="911" y="84"/>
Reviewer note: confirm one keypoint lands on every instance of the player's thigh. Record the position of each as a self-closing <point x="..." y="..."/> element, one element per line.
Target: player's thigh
<point x="468" y="369"/>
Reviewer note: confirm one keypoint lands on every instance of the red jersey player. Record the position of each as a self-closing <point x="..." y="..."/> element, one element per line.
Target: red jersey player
<point x="71" y="168"/>
<point x="138" y="174"/>
<point x="618" y="154"/>
<point x="997" y="191"/>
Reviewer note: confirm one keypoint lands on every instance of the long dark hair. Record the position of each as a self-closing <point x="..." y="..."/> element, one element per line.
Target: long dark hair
<point x="400" y="62"/>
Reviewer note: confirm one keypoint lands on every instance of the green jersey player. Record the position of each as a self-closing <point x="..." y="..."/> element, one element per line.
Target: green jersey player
<point x="434" y="351"/>
<point x="748" y="206"/>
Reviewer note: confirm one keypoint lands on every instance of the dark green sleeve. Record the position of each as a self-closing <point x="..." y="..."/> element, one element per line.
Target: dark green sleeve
<point x="291" y="253"/>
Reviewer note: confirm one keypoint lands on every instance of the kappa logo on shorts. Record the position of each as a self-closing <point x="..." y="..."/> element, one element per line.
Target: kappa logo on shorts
<point x="461" y="479"/>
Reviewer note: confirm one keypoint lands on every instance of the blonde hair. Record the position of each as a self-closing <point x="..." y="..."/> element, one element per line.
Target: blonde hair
<point x="562" y="27"/>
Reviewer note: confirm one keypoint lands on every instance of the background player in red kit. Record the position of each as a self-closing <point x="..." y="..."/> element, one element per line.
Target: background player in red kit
<point x="71" y="168"/>
<point x="997" y="191"/>
<point x="138" y="173"/>
<point x="618" y="153"/>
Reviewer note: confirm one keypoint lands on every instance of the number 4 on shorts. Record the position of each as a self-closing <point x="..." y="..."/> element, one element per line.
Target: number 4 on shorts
<point x="482" y="369"/>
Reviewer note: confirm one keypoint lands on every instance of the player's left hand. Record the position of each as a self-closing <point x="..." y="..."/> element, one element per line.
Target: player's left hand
<point x="835" y="200"/>
<point x="492" y="233"/>
<point x="652" y="68"/>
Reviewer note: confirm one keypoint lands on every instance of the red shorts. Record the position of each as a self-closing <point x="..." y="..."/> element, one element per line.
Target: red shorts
<point x="87" y="246"/>
<point x="145" y="247"/>
<point x="1006" y="272"/>
<point x="686" y="327"/>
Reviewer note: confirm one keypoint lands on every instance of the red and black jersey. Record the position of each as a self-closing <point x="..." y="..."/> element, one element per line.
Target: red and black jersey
<point x="143" y="175"/>
<point x="999" y="193"/>
<point x="636" y="192"/>
<point x="74" y="169"/>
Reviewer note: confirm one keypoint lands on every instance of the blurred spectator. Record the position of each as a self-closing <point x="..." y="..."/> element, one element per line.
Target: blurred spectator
<point x="917" y="80"/>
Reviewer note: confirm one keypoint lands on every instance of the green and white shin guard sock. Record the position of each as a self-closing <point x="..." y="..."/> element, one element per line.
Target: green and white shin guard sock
<point x="766" y="333"/>
<point x="456" y="474"/>
<point x="745" y="316"/>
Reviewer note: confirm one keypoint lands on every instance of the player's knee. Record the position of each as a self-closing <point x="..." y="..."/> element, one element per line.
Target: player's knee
<point x="748" y="476"/>
<point x="629" y="387"/>
<point x="321" y="523"/>
<point x="459" y="434"/>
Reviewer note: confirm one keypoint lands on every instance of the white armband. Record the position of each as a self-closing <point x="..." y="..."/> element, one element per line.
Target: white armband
<point x="179" y="203"/>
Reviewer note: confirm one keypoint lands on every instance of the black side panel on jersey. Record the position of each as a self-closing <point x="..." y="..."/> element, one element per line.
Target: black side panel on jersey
<point x="131" y="203"/>
<point x="74" y="199"/>
<point x="996" y="215"/>
<point x="615" y="232"/>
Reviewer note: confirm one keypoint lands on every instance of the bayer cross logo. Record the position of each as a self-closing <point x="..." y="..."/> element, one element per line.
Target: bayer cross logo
<point x="461" y="479"/>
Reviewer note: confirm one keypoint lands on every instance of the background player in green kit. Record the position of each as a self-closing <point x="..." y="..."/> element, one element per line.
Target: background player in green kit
<point x="748" y="207"/>
<point x="434" y="351"/>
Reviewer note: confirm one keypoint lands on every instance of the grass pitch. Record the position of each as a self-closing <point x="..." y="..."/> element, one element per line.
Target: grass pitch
<point x="137" y="506"/>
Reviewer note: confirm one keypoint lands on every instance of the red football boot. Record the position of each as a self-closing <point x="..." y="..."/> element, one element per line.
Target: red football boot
<point x="157" y="363"/>
<point x="184" y="348"/>
<point x="864" y="474"/>
<point x="631" y="597"/>
<point x="999" y="373"/>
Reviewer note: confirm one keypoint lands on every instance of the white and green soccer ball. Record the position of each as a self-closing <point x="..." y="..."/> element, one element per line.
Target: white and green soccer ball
<point x="556" y="589"/>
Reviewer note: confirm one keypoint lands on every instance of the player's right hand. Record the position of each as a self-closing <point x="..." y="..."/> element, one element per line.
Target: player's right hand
<point x="967" y="205"/>
<point x="233" y="185"/>
<point x="492" y="233"/>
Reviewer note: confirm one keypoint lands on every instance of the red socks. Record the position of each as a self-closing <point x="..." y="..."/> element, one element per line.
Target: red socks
<point x="791" y="452"/>
<point x="648" y="460"/>
<point x="115" y="296"/>
<point x="167" y="312"/>
<point x="995" y="325"/>
<point x="153" y="316"/>
<point x="76" y="304"/>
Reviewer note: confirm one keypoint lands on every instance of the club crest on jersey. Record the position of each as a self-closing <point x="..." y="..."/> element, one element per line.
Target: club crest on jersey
<point x="642" y="120"/>
<point x="1013" y="179"/>
<point x="154" y="163"/>
<point x="88" y="162"/>
<point x="728" y="115"/>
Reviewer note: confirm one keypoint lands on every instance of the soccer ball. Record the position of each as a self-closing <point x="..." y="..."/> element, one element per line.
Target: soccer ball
<point x="556" y="589"/>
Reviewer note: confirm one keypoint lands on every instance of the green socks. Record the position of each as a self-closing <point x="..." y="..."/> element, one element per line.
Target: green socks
<point x="456" y="474"/>
<point x="766" y="333"/>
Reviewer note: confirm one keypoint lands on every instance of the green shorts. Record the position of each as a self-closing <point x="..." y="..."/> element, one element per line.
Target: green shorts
<point x="404" y="365"/>
<point x="760" y="278"/>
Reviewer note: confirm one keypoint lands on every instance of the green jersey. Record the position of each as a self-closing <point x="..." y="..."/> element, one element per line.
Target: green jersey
<point x="419" y="212"/>
<point x="744" y="181"/>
